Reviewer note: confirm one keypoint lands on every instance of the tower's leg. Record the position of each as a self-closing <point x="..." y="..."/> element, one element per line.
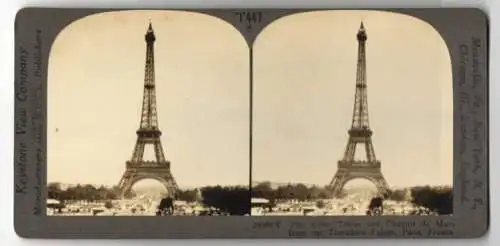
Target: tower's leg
<point x="338" y="182"/>
<point x="124" y="183"/>
<point x="170" y="185"/>
<point x="381" y="183"/>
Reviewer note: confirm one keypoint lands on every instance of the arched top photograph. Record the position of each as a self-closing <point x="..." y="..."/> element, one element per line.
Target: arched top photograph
<point x="347" y="95"/>
<point x="161" y="96"/>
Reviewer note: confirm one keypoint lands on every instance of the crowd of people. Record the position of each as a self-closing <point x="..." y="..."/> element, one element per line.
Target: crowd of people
<point x="139" y="206"/>
<point x="353" y="205"/>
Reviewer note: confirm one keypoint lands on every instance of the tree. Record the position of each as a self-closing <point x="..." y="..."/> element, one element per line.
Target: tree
<point x="54" y="191"/>
<point x="290" y="191"/>
<point x="287" y="192"/>
<point x="264" y="190"/>
<point x="317" y="192"/>
<point x="89" y="192"/>
<point x="108" y="205"/>
<point x="80" y="192"/>
<point x="293" y="191"/>
<point x="113" y="193"/>
<point x="396" y="195"/>
<point x="188" y="195"/>
<point x="437" y="199"/>
<point x="233" y="200"/>
<point x="320" y="204"/>
<point x="301" y="192"/>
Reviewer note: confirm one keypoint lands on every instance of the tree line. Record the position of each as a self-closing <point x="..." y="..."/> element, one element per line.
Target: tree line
<point x="236" y="200"/>
<point x="298" y="191"/>
<point x="437" y="199"/>
<point x="81" y="192"/>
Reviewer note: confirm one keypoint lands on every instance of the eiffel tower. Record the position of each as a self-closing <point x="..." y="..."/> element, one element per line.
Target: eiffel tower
<point x="360" y="133"/>
<point x="148" y="135"/>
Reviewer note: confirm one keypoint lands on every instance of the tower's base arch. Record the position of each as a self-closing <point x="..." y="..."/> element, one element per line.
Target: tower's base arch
<point x="345" y="175"/>
<point x="132" y="177"/>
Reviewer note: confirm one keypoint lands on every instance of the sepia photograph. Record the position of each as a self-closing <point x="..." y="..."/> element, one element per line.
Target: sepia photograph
<point x="148" y="115"/>
<point x="352" y="115"/>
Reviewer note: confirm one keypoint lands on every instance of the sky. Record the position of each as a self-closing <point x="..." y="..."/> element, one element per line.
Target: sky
<point x="95" y="86"/>
<point x="304" y="84"/>
<point x="303" y="96"/>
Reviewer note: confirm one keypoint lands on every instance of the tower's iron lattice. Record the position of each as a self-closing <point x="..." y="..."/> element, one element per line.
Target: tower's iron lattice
<point x="148" y="134"/>
<point x="360" y="134"/>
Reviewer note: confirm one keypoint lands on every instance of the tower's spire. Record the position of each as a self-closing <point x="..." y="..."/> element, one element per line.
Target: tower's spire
<point x="362" y="33"/>
<point x="149" y="119"/>
<point x="150" y="27"/>
<point x="150" y="34"/>
<point x="360" y="115"/>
